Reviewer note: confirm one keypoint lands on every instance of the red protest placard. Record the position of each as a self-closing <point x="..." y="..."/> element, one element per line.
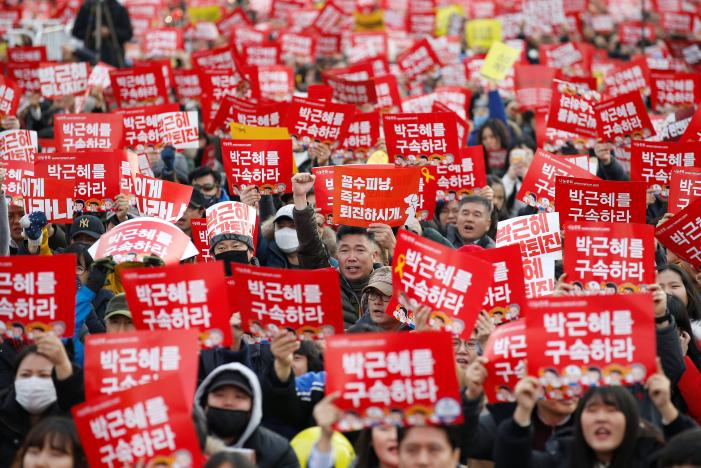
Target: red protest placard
<point x="599" y="200"/>
<point x="266" y="164"/>
<point x="572" y="109"/>
<point x="670" y="89"/>
<point x="267" y="53"/>
<point x="533" y="85"/>
<point x="653" y="162"/>
<point x="200" y="239"/>
<point x="506" y="361"/>
<point x="274" y="82"/>
<point x="272" y="299"/>
<point x="453" y="284"/>
<point x="684" y="188"/>
<point x="351" y="91"/>
<point x="177" y="297"/>
<point x="418" y="103"/>
<point x="116" y="362"/>
<point x="141" y="125"/>
<point x="26" y="75"/>
<point x="506" y="296"/>
<point x="64" y="79"/>
<point x="97" y="176"/>
<point x="627" y="77"/>
<point x="136" y="238"/>
<point x="682" y="232"/>
<point x="623" y="116"/>
<point x="538" y="187"/>
<point x="53" y="197"/>
<point x="10" y="93"/>
<point x="140" y="426"/>
<point x="18" y="145"/>
<point x="327" y="122"/>
<point x="187" y="84"/>
<point x="609" y="258"/>
<point x="27" y="54"/>
<point x="323" y="191"/>
<point x="462" y="176"/>
<point x="456" y="98"/>
<point x="162" y="42"/>
<point x="385" y="378"/>
<point x="363" y="132"/>
<point x="218" y="57"/>
<point x="418" y="60"/>
<point x="414" y="137"/>
<point x="139" y="86"/>
<point x="86" y="132"/>
<point x="232" y="218"/>
<point x="388" y="97"/>
<point x="329" y="18"/>
<point x="578" y="342"/>
<point x="38" y="294"/>
<point x="179" y="129"/>
<point x="16" y="172"/>
<point x="369" y="194"/>
<point x="246" y="112"/>
<point x="161" y="198"/>
<point x="463" y="126"/>
<point x="298" y="46"/>
<point x="573" y="58"/>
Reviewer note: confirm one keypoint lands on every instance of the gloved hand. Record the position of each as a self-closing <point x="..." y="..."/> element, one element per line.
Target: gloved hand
<point x="152" y="261"/>
<point x="33" y="225"/>
<point x="99" y="271"/>
<point x="168" y="157"/>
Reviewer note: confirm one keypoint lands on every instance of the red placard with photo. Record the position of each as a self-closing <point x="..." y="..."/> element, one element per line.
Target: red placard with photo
<point x="623" y="116"/>
<point x="414" y="137"/>
<point x="139" y="86"/>
<point x="179" y="129"/>
<point x="351" y="91"/>
<point x="53" y="197"/>
<point x="578" y="342"/>
<point x="670" y="89"/>
<point x="10" y="93"/>
<point x="506" y="296"/>
<point x="419" y="59"/>
<point x="16" y="172"/>
<point x="538" y="187"/>
<point x="200" y="239"/>
<point x="682" y="232"/>
<point x="246" y="112"/>
<point x="453" y="284"/>
<point x="385" y="378"/>
<point x="463" y="176"/>
<point x="266" y="164"/>
<point x="572" y="109"/>
<point x="116" y="362"/>
<point x="25" y="54"/>
<point x="63" y="79"/>
<point x="273" y="299"/>
<point x="579" y="200"/>
<point x="161" y="198"/>
<point x="653" y="161"/>
<point x="38" y="294"/>
<point x="684" y="188"/>
<point x="140" y="426"/>
<point x="363" y="132"/>
<point x="88" y="132"/>
<point x="232" y="218"/>
<point x="323" y="121"/>
<point x="627" y="77"/>
<point x="506" y="361"/>
<point x="323" y="191"/>
<point x="136" y="238"/>
<point x="609" y="258"/>
<point x="18" y="145"/>
<point x="176" y="297"/>
<point x="141" y="125"/>
<point x="390" y="195"/>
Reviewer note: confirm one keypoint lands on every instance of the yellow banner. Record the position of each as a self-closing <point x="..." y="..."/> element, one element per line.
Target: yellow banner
<point x="209" y="13"/>
<point x="251" y="132"/>
<point x="374" y="21"/>
<point x="481" y="33"/>
<point x="443" y="15"/>
<point x="499" y="61"/>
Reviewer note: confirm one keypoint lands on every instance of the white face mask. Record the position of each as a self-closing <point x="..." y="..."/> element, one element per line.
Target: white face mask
<point x="35" y="394"/>
<point x="286" y="239"/>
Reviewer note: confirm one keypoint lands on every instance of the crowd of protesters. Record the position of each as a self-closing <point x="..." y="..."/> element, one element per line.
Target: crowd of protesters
<point x="268" y="398"/>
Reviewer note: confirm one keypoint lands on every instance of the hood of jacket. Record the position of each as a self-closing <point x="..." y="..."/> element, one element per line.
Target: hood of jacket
<point x="256" y="404"/>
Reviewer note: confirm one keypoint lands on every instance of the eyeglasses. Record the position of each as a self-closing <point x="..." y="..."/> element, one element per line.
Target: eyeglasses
<point x="205" y="187"/>
<point x="373" y="296"/>
<point x="469" y="344"/>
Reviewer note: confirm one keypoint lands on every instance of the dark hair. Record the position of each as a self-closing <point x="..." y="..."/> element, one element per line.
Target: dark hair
<point x="499" y="130"/>
<point x="344" y="231"/>
<point x="60" y="433"/>
<point x="309" y="350"/>
<point x="476" y="199"/>
<point x="452" y="433"/>
<point x="693" y="306"/>
<point x="203" y="171"/>
<point x="365" y="451"/>
<point x="234" y="459"/>
<point x="676" y="308"/>
<point x="26" y="351"/>
<point x="682" y="449"/>
<point x="581" y="455"/>
<point x="82" y="252"/>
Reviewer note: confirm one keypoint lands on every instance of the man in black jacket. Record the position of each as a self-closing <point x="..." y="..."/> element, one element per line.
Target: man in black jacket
<point x="85" y="27"/>
<point x="474" y="219"/>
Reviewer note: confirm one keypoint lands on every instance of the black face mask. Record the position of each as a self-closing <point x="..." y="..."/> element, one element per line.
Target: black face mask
<point x="226" y="423"/>
<point x="232" y="256"/>
<point x="209" y="201"/>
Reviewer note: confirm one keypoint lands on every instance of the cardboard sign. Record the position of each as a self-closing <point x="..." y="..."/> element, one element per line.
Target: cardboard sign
<point x="580" y="342"/>
<point x="384" y="378"/>
<point x="372" y="194"/>
<point x="681" y="234"/>
<point x="506" y="297"/>
<point x="179" y="129"/>
<point x="623" y="116"/>
<point x="134" y="239"/>
<point x="572" y="109"/>
<point x="85" y="132"/>
<point x="579" y="200"/>
<point x="418" y="60"/>
<point x="653" y="162"/>
<point x="415" y="137"/>
<point x="161" y="198"/>
<point x="272" y="299"/>
<point x="232" y="218"/>
<point x="538" y="187"/>
<point x="363" y="132"/>
<point x="140" y="426"/>
<point x="670" y="90"/>
<point x="141" y="125"/>
<point x="266" y="164"/>
<point x="506" y="361"/>
<point x="461" y="177"/>
<point x="10" y="93"/>
<point x="609" y="258"/>
<point x="38" y="294"/>
<point x="181" y="297"/>
<point x="452" y="283"/>
<point x="684" y="188"/>
<point x="327" y="122"/>
<point x="64" y="79"/>
<point x="628" y="77"/>
<point x="139" y="86"/>
<point x="200" y="239"/>
<point x="96" y="175"/>
<point x="116" y="362"/>
<point x="499" y="61"/>
<point x="351" y="91"/>
<point x="18" y="145"/>
<point x="53" y="197"/>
